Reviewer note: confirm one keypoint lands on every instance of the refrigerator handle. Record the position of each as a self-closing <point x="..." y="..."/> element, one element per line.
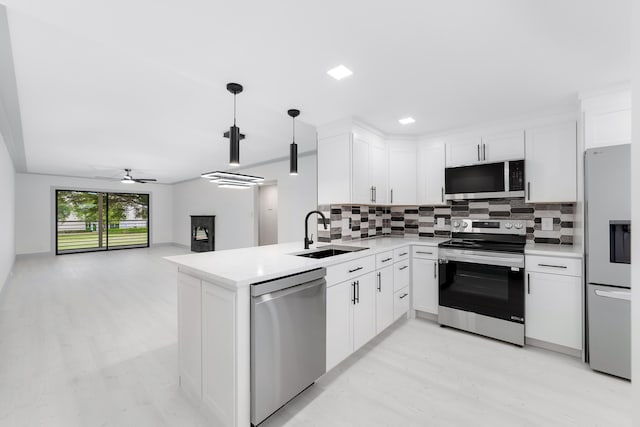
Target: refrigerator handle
<point x="623" y="295"/>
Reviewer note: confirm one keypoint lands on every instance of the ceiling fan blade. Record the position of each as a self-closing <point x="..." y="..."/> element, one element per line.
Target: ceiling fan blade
<point x="145" y="180"/>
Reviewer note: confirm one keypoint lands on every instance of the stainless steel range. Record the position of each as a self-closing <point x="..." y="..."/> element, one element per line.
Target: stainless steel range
<point x="481" y="286"/>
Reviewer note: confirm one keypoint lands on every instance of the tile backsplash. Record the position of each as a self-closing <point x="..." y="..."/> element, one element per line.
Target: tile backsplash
<point x="351" y="222"/>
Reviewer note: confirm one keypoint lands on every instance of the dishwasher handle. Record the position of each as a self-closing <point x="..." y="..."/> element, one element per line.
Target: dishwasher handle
<point x="288" y="291"/>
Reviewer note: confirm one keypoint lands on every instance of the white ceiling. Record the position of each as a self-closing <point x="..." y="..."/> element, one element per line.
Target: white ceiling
<point x="105" y="85"/>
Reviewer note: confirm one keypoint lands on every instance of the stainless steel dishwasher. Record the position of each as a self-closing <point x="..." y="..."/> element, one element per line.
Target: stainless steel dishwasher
<point x="288" y="339"/>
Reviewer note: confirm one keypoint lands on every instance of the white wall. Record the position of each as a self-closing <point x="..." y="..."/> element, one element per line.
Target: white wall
<point x="35" y="207"/>
<point x="7" y="213"/>
<point x="635" y="215"/>
<point x="236" y="209"/>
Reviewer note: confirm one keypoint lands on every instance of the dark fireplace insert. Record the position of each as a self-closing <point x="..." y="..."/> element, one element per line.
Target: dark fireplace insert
<point x="203" y="233"/>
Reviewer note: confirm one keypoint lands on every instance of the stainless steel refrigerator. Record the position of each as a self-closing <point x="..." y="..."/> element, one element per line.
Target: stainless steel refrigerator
<point x="608" y="257"/>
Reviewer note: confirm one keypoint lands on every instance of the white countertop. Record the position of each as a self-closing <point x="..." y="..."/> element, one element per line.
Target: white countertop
<point x="236" y="268"/>
<point x="566" y="251"/>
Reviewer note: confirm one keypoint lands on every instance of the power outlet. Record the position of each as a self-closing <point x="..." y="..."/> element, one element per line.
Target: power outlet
<point x="547" y="224"/>
<point x="440" y="223"/>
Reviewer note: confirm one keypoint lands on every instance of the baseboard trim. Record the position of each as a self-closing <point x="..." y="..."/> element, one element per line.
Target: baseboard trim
<point x="426" y="316"/>
<point x="3" y="284"/>
<point x="554" y="347"/>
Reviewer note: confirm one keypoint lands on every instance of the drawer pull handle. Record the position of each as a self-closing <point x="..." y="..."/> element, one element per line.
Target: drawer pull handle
<point x="425" y="253"/>
<point x="552" y="266"/>
<point x="404" y="253"/>
<point x="403" y="267"/>
<point x="355" y="269"/>
<point x="387" y="259"/>
<point x="403" y="295"/>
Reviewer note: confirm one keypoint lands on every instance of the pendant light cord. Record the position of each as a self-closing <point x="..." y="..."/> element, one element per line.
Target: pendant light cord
<point x="294" y="129"/>
<point x="234" y="109"/>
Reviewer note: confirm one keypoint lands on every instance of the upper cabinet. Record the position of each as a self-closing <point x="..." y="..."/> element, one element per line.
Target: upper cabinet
<point x="550" y="163"/>
<point x="402" y="172"/>
<point x="351" y="166"/>
<point x="431" y="161"/>
<point x="472" y="149"/>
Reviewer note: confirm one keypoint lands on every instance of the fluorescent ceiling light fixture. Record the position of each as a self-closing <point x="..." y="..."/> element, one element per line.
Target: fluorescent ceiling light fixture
<point x="340" y="72"/>
<point x="232" y="180"/>
<point x="407" y="121"/>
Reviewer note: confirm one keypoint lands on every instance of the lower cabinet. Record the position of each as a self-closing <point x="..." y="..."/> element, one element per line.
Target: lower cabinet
<point x="384" y="298"/>
<point x="189" y="333"/>
<point x="351" y="317"/>
<point x="553" y="309"/>
<point x="425" y="285"/>
<point x="400" y="303"/>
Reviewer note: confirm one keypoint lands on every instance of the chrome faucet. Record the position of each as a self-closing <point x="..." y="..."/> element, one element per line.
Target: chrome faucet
<point x="309" y="241"/>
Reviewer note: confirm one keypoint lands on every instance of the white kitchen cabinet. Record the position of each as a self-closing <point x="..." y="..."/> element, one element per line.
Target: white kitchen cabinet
<point x="384" y="298"/>
<point x="364" y="311"/>
<point x="401" y="303"/>
<point x="553" y="311"/>
<point x="361" y="175"/>
<point x="551" y="161"/>
<point x="424" y="285"/>
<point x="189" y="332"/>
<point x="334" y="169"/>
<point x="431" y="164"/>
<point x="378" y="172"/>
<point x="474" y="149"/>
<point x="351" y="317"/>
<point x="401" y="274"/>
<point x="339" y="323"/>
<point x="502" y="146"/>
<point x="402" y="172"/>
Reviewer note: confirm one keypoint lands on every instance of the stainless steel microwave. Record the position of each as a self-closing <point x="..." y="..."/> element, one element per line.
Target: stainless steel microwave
<point x="485" y="181"/>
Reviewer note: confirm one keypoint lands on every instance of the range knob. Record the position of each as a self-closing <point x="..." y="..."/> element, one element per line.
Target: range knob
<point x="508" y="225"/>
<point x="456" y="223"/>
<point x="518" y="225"/>
<point x="465" y="225"/>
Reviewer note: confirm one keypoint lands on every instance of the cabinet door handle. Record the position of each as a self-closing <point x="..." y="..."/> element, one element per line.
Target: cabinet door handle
<point x="484" y="151"/>
<point x="371" y="194"/>
<point x="552" y="266"/>
<point x="355" y="269"/>
<point x="403" y="267"/>
<point x="375" y="194"/>
<point x="403" y="295"/>
<point x="379" y="282"/>
<point x="386" y="259"/>
<point x="425" y="253"/>
<point x="404" y="253"/>
<point x="358" y="291"/>
<point x="435" y="270"/>
<point x="528" y="190"/>
<point x="528" y="283"/>
<point x="478" y="146"/>
<point x="353" y="292"/>
<point x="442" y="194"/>
<point x="391" y="195"/>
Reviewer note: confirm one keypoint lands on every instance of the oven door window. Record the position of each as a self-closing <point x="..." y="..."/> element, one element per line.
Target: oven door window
<point x="489" y="290"/>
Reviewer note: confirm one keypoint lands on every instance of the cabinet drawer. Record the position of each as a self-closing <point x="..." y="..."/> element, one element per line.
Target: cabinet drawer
<point x="400" y="303"/>
<point x="384" y="259"/>
<point x="425" y="252"/>
<point x="554" y="265"/>
<point x="401" y="275"/>
<point x="347" y="270"/>
<point x="401" y="253"/>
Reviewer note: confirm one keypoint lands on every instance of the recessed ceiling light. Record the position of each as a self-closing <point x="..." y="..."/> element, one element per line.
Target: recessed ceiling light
<point x="340" y="72"/>
<point x="407" y="120"/>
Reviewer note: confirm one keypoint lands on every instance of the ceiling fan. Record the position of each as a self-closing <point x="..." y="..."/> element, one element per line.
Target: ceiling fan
<point x="128" y="179"/>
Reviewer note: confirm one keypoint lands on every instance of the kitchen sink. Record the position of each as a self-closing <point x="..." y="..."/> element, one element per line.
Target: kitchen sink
<point x="329" y="251"/>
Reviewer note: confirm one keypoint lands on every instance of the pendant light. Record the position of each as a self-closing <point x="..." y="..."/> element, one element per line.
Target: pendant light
<point x="234" y="134"/>
<point x="293" y="149"/>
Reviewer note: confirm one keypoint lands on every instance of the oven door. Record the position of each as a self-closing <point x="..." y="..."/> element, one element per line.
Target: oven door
<point x="491" y="284"/>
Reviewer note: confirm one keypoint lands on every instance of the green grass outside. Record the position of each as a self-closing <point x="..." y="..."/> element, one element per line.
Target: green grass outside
<point x="89" y="240"/>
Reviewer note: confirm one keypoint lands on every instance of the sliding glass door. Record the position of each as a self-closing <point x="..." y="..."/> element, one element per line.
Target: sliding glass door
<point x="89" y="221"/>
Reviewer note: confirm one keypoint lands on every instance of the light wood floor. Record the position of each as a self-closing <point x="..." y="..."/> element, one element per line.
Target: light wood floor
<point x="90" y="340"/>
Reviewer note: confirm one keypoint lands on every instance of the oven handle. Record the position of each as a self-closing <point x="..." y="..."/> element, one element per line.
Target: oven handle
<point x="502" y="261"/>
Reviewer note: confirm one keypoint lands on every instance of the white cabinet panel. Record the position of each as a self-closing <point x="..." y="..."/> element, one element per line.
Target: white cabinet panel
<point x="219" y="352"/>
<point x="551" y="163"/>
<point x="503" y="146"/>
<point x="339" y="323"/>
<point x="189" y="332"/>
<point x="462" y="150"/>
<point x="554" y="309"/>
<point x="425" y="285"/>
<point x="361" y="176"/>
<point x="384" y="298"/>
<point x="401" y="303"/>
<point x="378" y="172"/>
<point x="431" y="164"/>
<point x="401" y="274"/>
<point x="402" y="173"/>
<point x="364" y="314"/>
<point x="334" y="169"/>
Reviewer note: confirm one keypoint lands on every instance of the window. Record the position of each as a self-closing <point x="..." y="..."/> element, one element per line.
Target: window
<point x="89" y="221"/>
